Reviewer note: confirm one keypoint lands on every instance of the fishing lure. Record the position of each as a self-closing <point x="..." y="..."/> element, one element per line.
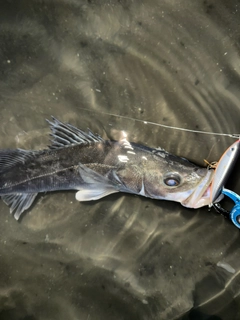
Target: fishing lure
<point x="222" y="172"/>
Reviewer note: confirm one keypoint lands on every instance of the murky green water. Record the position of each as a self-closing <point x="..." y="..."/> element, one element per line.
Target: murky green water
<point x="122" y="257"/>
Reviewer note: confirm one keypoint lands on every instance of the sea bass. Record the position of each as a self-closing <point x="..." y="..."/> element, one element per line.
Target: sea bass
<point x="83" y="161"/>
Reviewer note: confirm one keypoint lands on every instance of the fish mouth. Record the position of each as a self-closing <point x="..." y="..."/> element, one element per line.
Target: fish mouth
<point x="201" y="195"/>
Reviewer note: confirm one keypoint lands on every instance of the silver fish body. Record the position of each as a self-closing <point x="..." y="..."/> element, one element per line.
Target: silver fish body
<point x="82" y="161"/>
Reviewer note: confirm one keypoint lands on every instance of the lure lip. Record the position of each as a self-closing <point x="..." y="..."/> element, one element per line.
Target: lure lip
<point x="223" y="170"/>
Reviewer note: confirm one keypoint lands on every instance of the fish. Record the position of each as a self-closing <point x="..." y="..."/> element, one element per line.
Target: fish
<point x="94" y="167"/>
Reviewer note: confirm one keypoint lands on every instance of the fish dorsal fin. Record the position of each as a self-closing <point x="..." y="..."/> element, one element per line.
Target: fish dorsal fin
<point x="10" y="158"/>
<point x="19" y="202"/>
<point x="64" y="134"/>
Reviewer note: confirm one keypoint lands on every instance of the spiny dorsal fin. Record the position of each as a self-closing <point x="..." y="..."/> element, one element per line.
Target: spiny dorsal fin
<point x="9" y="158"/>
<point x="65" y="134"/>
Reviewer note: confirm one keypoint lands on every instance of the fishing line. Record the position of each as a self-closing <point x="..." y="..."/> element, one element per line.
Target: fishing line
<point x="231" y="135"/>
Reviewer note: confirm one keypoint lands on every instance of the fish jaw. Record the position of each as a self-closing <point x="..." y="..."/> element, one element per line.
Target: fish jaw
<point x="201" y="195"/>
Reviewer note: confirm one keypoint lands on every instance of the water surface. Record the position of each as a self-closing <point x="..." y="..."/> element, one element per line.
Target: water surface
<point x="122" y="257"/>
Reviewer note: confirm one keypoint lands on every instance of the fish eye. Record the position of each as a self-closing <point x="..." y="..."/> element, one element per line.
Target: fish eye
<point x="172" y="180"/>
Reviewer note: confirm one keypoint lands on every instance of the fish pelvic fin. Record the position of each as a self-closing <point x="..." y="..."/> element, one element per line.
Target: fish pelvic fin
<point x="93" y="193"/>
<point x="19" y="202"/>
<point x="64" y="134"/>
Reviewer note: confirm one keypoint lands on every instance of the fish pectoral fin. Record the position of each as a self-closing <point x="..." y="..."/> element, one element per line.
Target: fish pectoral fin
<point x="90" y="176"/>
<point x="94" y="194"/>
<point x="19" y="202"/>
<point x="96" y="185"/>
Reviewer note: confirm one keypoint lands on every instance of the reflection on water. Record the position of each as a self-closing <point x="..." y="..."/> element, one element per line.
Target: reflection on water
<point x="122" y="257"/>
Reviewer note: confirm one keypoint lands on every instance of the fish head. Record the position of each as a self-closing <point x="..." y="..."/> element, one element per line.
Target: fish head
<point x="177" y="179"/>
